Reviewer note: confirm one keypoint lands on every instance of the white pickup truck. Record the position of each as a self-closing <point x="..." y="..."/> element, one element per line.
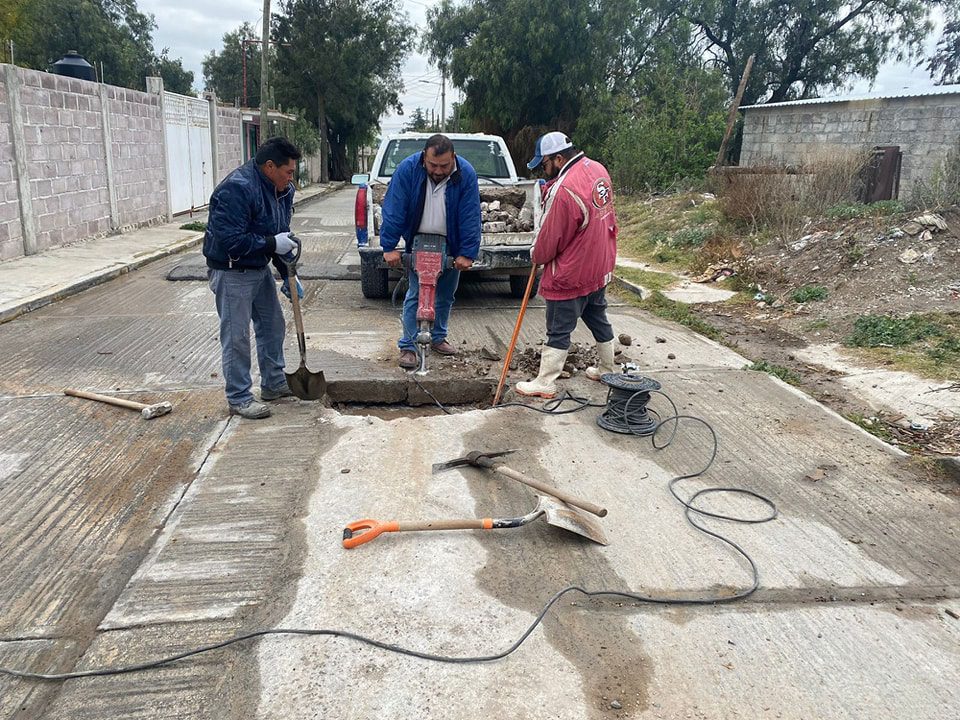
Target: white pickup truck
<point x="510" y="209"/>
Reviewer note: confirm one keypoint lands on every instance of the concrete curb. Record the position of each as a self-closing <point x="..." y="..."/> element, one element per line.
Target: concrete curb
<point x="85" y="282"/>
<point x="625" y="284"/>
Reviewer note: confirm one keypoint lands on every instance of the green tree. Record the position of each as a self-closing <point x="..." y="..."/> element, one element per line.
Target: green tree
<point x="113" y="33"/>
<point x="176" y="78"/>
<point x="944" y="65"/>
<point x="527" y="66"/>
<point x="418" y="121"/>
<point x="804" y="48"/>
<point x="223" y="71"/>
<point x="341" y="60"/>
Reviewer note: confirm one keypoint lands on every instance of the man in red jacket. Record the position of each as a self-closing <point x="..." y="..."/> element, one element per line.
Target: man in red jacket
<point x="577" y="246"/>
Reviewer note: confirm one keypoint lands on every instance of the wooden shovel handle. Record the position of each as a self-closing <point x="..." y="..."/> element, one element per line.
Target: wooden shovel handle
<point x="119" y="402"/>
<point x="548" y="489"/>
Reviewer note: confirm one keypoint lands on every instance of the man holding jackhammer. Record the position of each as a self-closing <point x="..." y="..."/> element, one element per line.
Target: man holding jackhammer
<point x="434" y="192"/>
<point x="247" y="228"/>
<point x="577" y="246"/>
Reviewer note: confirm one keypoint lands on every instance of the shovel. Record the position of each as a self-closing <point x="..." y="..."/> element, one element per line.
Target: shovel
<point x="555" y="513"/>
<point x="304" y="384"/>
<point x="488" y="460"/>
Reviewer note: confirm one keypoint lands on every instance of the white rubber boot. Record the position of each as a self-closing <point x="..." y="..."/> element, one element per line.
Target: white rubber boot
<point x="551" y="365"/>
<point x="605" y="354"/>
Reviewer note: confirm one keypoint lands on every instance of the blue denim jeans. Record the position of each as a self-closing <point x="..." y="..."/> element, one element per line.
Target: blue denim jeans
<point x="446" y="287"/>
<point x="242" y="297"/>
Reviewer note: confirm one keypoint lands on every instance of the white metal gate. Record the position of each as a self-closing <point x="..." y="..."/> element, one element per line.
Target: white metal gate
<point x="189" y="151"/>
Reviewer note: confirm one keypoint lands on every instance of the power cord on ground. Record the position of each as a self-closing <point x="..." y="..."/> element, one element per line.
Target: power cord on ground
<point x="627" y="409"/>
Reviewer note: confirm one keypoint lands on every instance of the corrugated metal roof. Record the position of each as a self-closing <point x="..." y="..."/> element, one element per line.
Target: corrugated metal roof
<point x="941" y="90"/>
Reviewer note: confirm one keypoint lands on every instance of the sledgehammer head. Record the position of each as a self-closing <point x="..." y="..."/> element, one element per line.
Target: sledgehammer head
<point x="152" y="411"/>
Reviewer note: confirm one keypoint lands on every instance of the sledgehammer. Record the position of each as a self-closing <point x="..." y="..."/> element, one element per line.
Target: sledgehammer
<point x="147" y="411"/>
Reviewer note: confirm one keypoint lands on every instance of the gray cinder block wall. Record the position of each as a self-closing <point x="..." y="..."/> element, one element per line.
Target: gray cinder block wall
<point x="80" y="159"/>
<point x="139" y="167"/>
<point x="229" y="141"/>
<point x="924" y="126"/>
<point x="11" y="233"/>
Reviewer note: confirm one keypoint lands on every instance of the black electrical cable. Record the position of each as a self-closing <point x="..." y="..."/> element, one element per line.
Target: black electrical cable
<point x="554" y="406"/>
<point x="690" y="511"/>
<point x="430" y="394"/>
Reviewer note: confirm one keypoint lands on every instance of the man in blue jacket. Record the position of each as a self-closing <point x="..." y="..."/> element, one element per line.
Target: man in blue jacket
<point x="433" y="192"/>
<point x="247" y="227"/>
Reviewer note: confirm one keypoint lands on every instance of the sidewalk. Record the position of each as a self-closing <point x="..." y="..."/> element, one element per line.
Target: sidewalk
<point x="28" y="283"/>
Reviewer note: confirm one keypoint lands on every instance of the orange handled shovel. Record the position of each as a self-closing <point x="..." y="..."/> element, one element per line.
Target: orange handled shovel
<point x="555" y="513"/>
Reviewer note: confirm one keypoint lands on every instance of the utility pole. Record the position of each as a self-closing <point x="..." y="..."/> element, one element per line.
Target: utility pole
<point x="264" y="54"/>
<point x="443" y="100"/>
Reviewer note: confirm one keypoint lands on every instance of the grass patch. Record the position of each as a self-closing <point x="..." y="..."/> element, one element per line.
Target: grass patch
<point x="809" y="293"/>
<point x="669" y="231"/>
<point x="872" y="425"/>
<point x="663" y="307"/>
<point x="647" y="279"/>
<point x="818" y="325"/>
<point x="927" y="344"/>
<point x="851" y="211"/>
<point x="778" y="371"/>
<point x="195" y="226"/>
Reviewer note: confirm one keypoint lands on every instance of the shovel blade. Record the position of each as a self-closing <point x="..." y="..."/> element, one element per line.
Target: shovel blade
<point x="307" y="385"/>
<point x="565" y="517"/>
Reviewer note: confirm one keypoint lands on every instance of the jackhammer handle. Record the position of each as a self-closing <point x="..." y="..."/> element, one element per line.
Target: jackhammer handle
<point x="546" y="489"/>
<point x="120" y="402"/>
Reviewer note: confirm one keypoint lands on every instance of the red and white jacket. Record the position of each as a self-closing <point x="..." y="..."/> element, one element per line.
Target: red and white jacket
<point x="577" y="240"/>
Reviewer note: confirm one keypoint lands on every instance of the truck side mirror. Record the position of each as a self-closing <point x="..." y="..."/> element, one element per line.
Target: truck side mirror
<point x="360" y="179"/>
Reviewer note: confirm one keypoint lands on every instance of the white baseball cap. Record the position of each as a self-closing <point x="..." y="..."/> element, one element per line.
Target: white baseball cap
<point x="549" y="144"/>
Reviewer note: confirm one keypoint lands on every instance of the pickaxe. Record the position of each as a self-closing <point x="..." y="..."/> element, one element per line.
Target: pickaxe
<point x="488" y="460"/>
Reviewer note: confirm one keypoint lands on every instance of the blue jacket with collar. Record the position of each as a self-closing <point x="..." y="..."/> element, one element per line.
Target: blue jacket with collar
<point x="403" y="207"/>
<point x="246" y="211"/>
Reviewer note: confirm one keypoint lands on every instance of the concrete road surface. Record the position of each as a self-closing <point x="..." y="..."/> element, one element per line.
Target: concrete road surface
<point x="125" y="540"/>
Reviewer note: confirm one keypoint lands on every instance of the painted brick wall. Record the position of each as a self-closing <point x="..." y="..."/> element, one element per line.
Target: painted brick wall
<point x="11" y="239"/>
<point x="924" y="127"/>
<point x="229" y="141"/>
<point x="139" y="170"/>
<point x="63" y="131"/>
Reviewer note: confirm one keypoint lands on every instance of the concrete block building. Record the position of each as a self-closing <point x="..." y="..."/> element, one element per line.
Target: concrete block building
<point x="924" y="124"/>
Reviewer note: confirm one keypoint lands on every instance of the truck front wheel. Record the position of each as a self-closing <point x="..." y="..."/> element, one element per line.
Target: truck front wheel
<point x="374" y="282"/>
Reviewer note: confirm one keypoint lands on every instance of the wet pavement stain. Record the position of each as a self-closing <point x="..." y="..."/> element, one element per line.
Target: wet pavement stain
<point x="527" y="565"/>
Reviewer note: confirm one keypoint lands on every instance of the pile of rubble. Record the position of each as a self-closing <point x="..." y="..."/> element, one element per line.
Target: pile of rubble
<point x="505" y="210"/>
<point x="502" y="209"/>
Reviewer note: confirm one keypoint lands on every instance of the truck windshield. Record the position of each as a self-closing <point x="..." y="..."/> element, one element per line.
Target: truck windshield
<point x="484" y="155"/>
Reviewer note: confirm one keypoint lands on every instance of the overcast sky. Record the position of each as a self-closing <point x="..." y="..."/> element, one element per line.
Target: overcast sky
<point x="192" y="28"/>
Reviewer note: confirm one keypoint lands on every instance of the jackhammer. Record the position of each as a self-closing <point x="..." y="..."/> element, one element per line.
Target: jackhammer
<point x="429" y="260"/>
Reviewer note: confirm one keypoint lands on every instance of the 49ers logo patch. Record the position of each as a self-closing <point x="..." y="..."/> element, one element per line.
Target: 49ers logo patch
<point x="602" y="194"/>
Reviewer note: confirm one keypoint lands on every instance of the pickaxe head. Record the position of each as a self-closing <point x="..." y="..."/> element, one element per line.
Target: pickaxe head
<point x="477" y="458"/>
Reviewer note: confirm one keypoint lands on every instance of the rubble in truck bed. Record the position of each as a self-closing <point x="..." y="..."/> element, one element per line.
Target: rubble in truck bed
<point x="503" y="209"/>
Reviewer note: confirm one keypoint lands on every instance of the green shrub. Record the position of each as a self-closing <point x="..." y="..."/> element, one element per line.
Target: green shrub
<point x="887" y="331"/>
<point x="849" y="211"/>
<point x="778" y="371"/>
<point x="195" y="226"/>
<point x="691" y="236"/>
<point x="809" y="293"/>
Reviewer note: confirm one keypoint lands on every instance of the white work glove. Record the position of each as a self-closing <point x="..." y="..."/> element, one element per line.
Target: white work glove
<point x="531" y="250"/>
<point x="285" y="243"/>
